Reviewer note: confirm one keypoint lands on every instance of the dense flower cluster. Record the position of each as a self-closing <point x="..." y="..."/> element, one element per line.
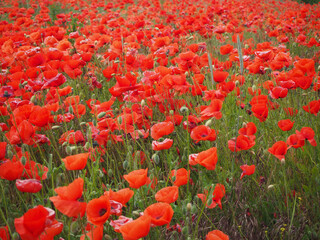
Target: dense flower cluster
<point x="79" y="79"/>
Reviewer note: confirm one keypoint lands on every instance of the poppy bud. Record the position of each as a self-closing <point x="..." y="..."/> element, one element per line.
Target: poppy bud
<point x="135" y="214"/>
<point x="15" y="236"/>
<point x="74" y="227"/>
<point x="68" y="150"/>
<point x="155" y="158"/>
<point x="143" y="102"/>
<point x="101" y="115"/>
<point x="101" y="175"/>
<point x="270" y="186"/>
<point x="110" y="172"/>
<point x="130" y="149"/>
<point x="23" y="160"/>
<point x="189" y="207"/>
<point x="107" y="237"/>
<point x="87" y="146"/>
<point x="9" y="154"/>
<point x="184" y="110"/>
<point x="33" y="99"/>
<point x="83" y="123"/>
<point x="70" y="109"/>
<point x="60" y="179"/>
<point x="125" y="164"/>
<point x="120" y="120"/>
<point x="209" y="123"/>
<point x="254" y="88"/>
<point x="55" y="127"/>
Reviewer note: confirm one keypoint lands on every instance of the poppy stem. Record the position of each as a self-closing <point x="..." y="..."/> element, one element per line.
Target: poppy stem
<point x="198" y="220"/>
<point x="211" y="69"/>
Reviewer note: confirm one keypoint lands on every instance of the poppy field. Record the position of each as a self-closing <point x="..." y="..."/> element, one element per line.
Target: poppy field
<point x="137" y="119"/>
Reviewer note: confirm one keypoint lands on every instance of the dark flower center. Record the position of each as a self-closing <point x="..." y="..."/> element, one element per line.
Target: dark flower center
<point x="102" y="212"/>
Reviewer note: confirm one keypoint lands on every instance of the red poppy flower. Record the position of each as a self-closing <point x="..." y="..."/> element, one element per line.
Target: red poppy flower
<point x="122" y="220"/>
<point x="11" y="170"/>
<point x="260" y="111"/>
<point x="285" y="125"/>
<point x="76" y="162"/>
<point x="167" y="194"/>
<point x="94" y="232"/>
<point x="313" y="107"/>
<point x="213" y="110"/>
<point x="39" y="116"/>
<point x="218" y="193"/>
<point x="161" y="129"/>
<point x="122" y="196"/>
<point x="226" y="49"/>
<point x="216" y="235"/>
<point x="207" y="158"/>
<point x="307" y="133"/>
<point x="306" y="65"/>
<point x="290" y="111"/>
<point x="136" y="229"/>
<point x="4" y="233"/>
<point x="241" y="143"/>
<point x="165" y="144"/>
<point x="295" y="141"/>
<point x="279" y="149"/>
<point x="247" y="170"/>
<point x="220" y="76"/>
<point x="38" y="223"/>
<point x="3" y="149"/>
<point x="28" y="185"/>
<point x="180" y="176"/>
<point x="33" y="170"/>
<point x="278" y="92"/>
<point x="72" y="137"/>
<point x="160" y="213"/>
<point x="36" y="60"/>
<point x="25" y="131"/>
<point x="137" y="178"/>
<point x="98" y="210"/>
<point x="203" y="133"/>
<point x="248" y="129"/>
<point x="67" y="201"/>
